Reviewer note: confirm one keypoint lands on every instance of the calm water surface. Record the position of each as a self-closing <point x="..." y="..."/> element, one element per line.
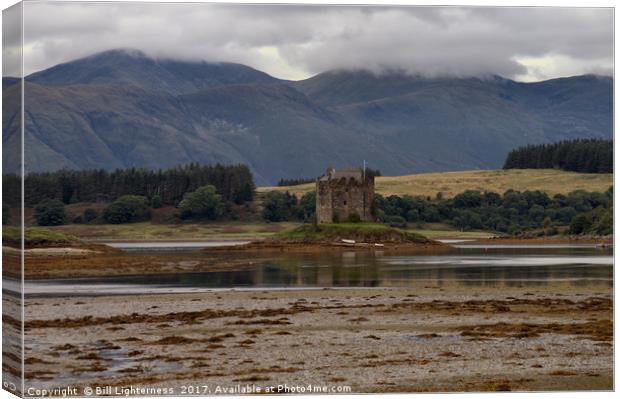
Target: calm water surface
<point x="470" y="265"/>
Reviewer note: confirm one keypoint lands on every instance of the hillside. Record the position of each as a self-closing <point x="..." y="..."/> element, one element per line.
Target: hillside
<point x="451" y="183"/>
<point x="121" y="108"/>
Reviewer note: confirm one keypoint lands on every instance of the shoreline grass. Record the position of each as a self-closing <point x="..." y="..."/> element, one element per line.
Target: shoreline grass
<point x="175" y="232"/>
<point x="361" y="232"/>
<point x="36" y="237"/>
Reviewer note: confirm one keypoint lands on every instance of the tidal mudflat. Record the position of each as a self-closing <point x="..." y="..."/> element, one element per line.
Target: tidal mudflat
<point x="384" y="324"/>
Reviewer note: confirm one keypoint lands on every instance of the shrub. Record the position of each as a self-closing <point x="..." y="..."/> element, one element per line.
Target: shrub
<point x="6" y="214"/>
<point x="580" y="224"/>
<point x="78" y="219"/>
<point x="396" y="221"/>
<point x="279" y="206"/>
<point x="553" y="231"/>
<point x="431" y="214"/>
<point x="50" y="213"/>
<point x="127" y="209"/>
<point x="204" y="203"/>
<point x="603" y="222"/>
<point x="413" y="215"/>
<point x="156" y="201"/>
<point x="514" y="229"/>
<point x="468" y="199"/>
<point x="89" y="215"/>
<point x="307" y="203"/>
<point x="354" y="218"/>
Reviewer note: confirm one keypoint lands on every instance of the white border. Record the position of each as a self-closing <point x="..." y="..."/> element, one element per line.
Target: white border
<point x="483" y="3"/>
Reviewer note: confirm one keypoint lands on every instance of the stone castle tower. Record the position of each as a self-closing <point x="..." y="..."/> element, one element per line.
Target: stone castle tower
<point x="341" y="194"/>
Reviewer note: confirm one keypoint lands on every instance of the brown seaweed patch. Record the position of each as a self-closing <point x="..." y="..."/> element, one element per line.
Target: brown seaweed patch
<point x="547" y="305"/>
<point x="174" y="340"/>
<point x="272" y="369"/>
<point x="449" y="354"/>
<point x="180" y="340"/>
<point x="36" y="360"/>
<point x="93" y="368"/>
<point x="130" y="339"/>
<point x="39" y="375"/>
<point x="391" y="362"/>
<point x="261" y="321"/>
<point x="428" y="336"/>
<point x="90" y="356"/>
<point x="64" y="347"/>
<point x="183" y="317"/>
<point x="601" y="330"/>
<point x="562" y="373"/>
<point x="12" y="356"/>
<point x="131" y="370"/>
<point x="253" y="378"/>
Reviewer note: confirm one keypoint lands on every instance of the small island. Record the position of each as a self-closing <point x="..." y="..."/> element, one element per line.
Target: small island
<point x="349" y="236"/>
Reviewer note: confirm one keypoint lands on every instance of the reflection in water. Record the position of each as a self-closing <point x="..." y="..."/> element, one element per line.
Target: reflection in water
<point x="469" y="267"/>
<point x="171" y="245"/>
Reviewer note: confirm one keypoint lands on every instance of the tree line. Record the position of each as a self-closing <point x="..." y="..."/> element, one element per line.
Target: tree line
<point x="580" y="155"/>
<point x="202" y="204"/>
<point x="233" y="183"/>
<point x="513" y="212"/>
<point x="305" y="180"/>
<point x="295" y="182"/>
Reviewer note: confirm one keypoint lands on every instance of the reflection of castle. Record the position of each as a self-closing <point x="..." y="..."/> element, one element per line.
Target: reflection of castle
<point x="344" y="194"/>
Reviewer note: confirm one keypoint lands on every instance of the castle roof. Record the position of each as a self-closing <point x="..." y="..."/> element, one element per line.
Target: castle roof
<point x="342" y="173"/>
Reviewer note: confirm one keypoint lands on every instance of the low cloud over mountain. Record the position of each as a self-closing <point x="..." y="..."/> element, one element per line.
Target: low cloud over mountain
<point x="122" y="108"/>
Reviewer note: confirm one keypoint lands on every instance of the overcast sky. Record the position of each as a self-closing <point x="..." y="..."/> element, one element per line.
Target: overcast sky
<point x="295" y="42"/>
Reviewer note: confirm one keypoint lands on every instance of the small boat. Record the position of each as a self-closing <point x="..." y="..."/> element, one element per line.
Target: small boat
<point x="348" y="241"/>
<point x="379" y="245"/>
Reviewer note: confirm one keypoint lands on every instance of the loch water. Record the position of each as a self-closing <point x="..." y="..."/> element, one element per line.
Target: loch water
<point x="471" y="265"/>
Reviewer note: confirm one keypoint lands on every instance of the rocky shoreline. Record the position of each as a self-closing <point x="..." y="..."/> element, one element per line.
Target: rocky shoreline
<point x="417" y="339"/>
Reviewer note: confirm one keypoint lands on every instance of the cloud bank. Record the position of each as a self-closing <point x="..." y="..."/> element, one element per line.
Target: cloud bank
<point x="295" y="42"/>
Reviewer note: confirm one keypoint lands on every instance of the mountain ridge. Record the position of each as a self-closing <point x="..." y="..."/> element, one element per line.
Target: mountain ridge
<point x="120" y="109"/>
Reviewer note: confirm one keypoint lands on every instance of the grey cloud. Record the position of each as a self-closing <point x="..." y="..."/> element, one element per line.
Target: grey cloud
<point x="312" y="39"/>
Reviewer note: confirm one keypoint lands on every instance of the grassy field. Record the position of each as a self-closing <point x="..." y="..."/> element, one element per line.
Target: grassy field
<point x="441" y="230"/>
<point x="451" y="183"/>
<point x="194" y="231"/>
<point x="362" y="232"/>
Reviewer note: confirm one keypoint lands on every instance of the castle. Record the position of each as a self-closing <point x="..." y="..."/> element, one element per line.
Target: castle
<point x="343" y="195"/>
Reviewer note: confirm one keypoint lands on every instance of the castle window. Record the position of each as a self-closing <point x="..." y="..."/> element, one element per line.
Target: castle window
<point x="345" y="203"/>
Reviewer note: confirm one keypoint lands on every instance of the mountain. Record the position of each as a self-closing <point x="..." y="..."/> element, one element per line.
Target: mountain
<point x="122" y="108"/>
<point x="465" y="123"/>
<point x="132" y="67"/>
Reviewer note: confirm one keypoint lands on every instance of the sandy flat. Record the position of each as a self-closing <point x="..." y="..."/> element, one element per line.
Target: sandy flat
<point x="421" y="338"/>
